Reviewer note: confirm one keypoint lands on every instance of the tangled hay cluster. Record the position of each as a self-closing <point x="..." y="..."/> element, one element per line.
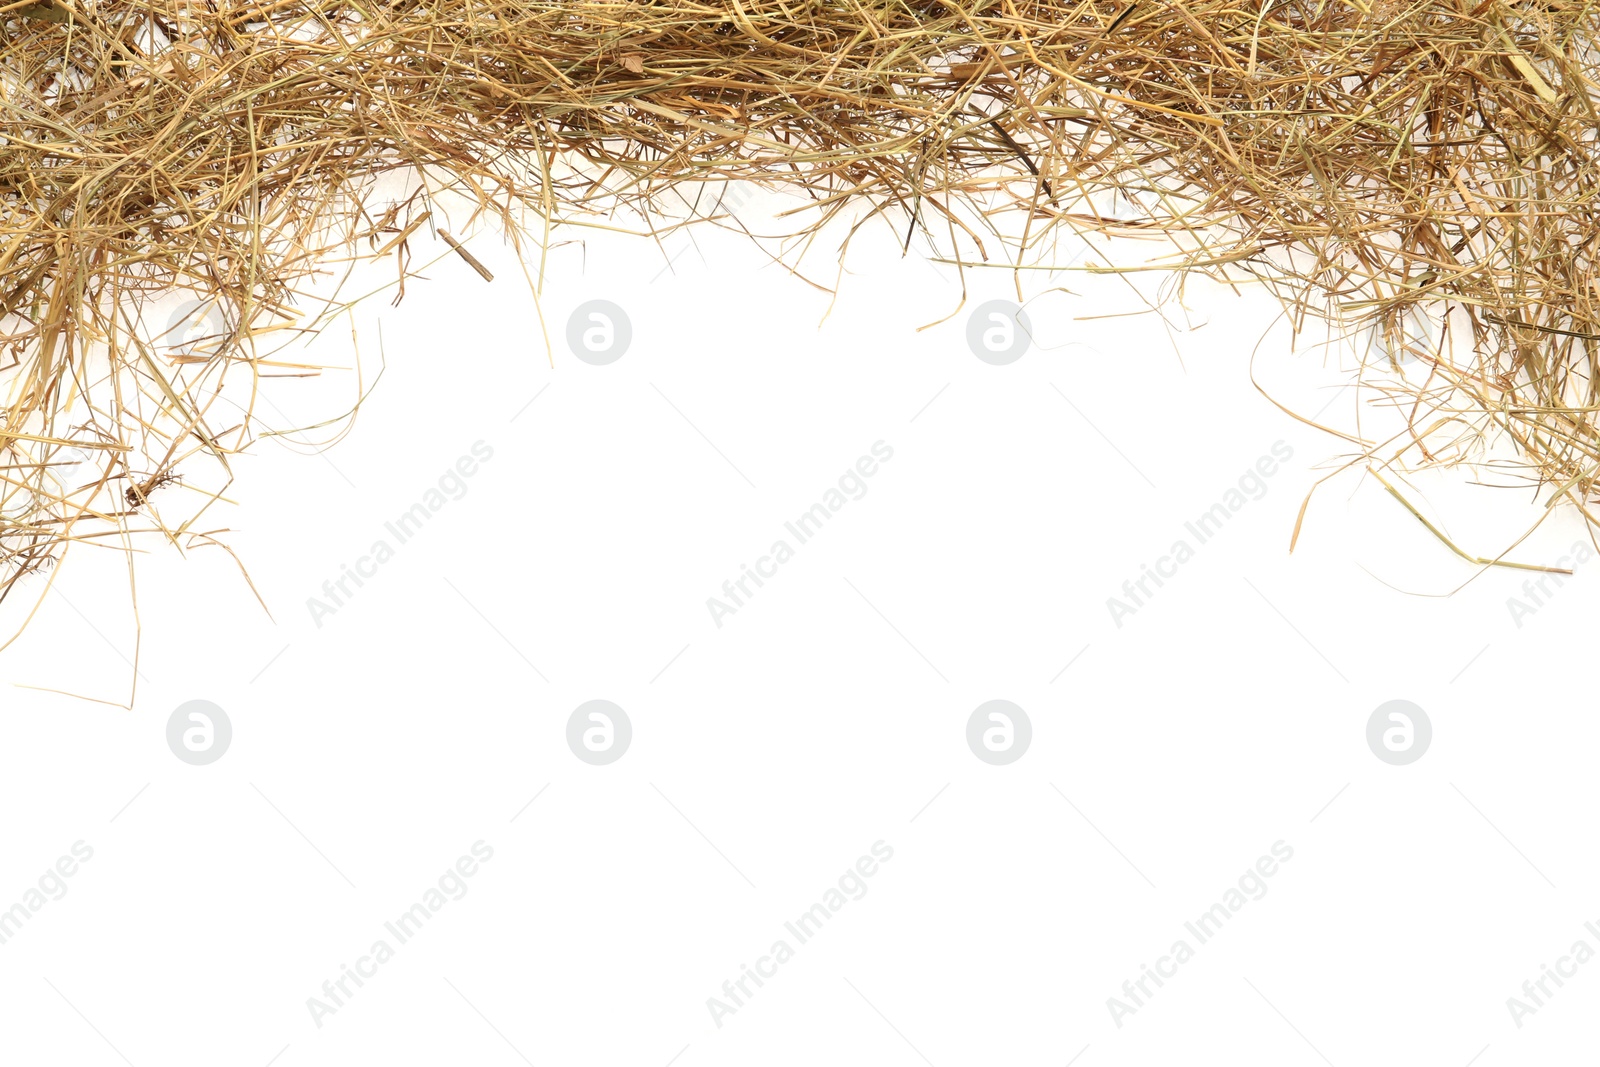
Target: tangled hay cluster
<point x="1371" y="157"/>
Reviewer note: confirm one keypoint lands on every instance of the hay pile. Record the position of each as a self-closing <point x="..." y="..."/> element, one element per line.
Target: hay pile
<point x="1359" y="157"/>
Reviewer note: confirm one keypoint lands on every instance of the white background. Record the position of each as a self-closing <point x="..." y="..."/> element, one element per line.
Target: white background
<point x="829" y="713"/>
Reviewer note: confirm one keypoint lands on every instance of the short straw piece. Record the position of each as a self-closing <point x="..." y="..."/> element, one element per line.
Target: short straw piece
<point x="472" y="261"/>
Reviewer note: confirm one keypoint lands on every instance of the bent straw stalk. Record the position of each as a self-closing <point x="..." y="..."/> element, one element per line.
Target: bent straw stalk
<point x="1361" y="158"/>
